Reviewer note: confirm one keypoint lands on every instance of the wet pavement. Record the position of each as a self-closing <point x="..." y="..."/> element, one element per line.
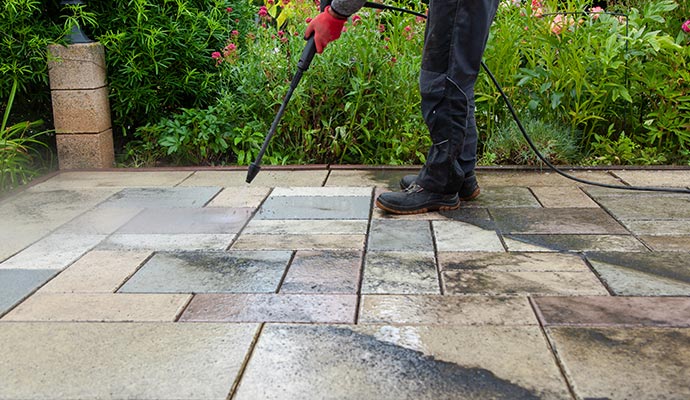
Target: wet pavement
<point x="191" y="284"/>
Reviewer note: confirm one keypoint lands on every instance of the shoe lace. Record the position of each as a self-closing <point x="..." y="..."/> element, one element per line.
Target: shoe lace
<point x="413" y="188"/>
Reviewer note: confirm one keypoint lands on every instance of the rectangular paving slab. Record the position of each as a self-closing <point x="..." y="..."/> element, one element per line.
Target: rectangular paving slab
<point x="299" y="242"/>
<point x="613" y="311"/>
<point x="270" y="307"/>
<point x="99" y="307"/>
<point x="556" y="220"/>
<point x="401" y="362"/>
<point x="166" y="242"/>
<point x="625" y="363"/>
<point x="462" y="236"/>
<point x="383" y="178"/>
<point x="315" y="207"/>
<point x="400" y="273"/>
<point x="306" y="227"/>
<point x="100" y="221"/>
<point x="523" y="283"/>
<point x="188" y="220"/>
<point x="507" y="262"/>
<point x="210" y="272"/>
<point x="563" y="197"/>
<point x="266" y="178"/>
<point x="324" y="272"/>
<point x="504" y="196"/>
<point x="398" y="235"/>
<point x="644" y="274"/>
<point x="655" y="178"/>
<point x="240" y="197"/>
<point x="573" y="243"/>
<point x="121" y="360"/>
<point x="667" y="243"/>
<point x="55" y="251"/>
<point x="648" y="207"/>
<point x="107" y="179"/>
<point x="445" y="310"/>
<point x="175" y="197"/>
<point x="16" y="284"/>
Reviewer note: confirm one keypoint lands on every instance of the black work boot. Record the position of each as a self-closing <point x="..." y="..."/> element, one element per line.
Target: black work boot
<point x="415" y="200"/>
<point x="469" y="191"/>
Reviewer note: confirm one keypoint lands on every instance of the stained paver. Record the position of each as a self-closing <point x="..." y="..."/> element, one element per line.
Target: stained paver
<point x="121" y="360"/>
<point x="108" y="179"/>
<point x="667" y="243"/>
<point x="433" y="310"/>
<point x="267" y="178"/>
<point x="575" y="243"/>
<point x="507" y="262"/>
<point x="393" y="235"/>
<point x="614" y="311"/>
<point x="400" y="273"/>
<point x="188" y="221"/>
<point x="382" y="178"/>
<point x="154" y="197"/>
<point x="393" y="362"/>
<point x="504" y="196"/>
<point x="556" y="221"/>
<point x="658" y="227"/>
<point x="644" y="274"/>
<point x="299" y="242"/>
<point x="323" y="272"/>
<point x="315" y="207"/>
<point x="522" y="283"/>
<point x="563" y="197"/>
<point x="99" y="307"/>
<point x="264" y="307"/>
<point x="662" y="207"/>
<point x="625" y="363"/>
<point x="16" y="284"/>
<point x="305" y="227"/>
<point x="210" y="272"/>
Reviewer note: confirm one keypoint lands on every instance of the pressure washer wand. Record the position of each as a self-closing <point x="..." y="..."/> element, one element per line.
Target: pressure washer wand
<point x="302" y="65"/>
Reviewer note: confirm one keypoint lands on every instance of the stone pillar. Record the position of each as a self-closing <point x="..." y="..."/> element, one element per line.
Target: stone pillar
<point x="81" y="109"/>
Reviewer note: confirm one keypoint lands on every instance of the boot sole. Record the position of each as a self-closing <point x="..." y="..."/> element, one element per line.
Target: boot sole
<point x="419" y="210"/>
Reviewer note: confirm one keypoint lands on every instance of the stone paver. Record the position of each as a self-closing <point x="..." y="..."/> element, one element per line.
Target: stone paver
<point x="55" y="251"/>
<point x="644" y="274"/>
<point x="392" y="235"/>
<point x="504" y="196"/>
<point x="106" y="179"/>
<point x="324" y="272"/>
<point x="240" y="197"/>
<point x="264" y="307"/>
<point x="575" y="243"/>
<point x="306" y="227"/>
<point x="507" y="262"/>
<point x="101" y="221"/>
<point x="400" y="273"/>
<point x="563" y="197"/>
<point x="188" y="220"/>
<point x="382" y="178"/>
<point x="556" y="221"/>
<point x="462" y="236"/>
<point x="614" y="311"/>
<point x="432" y="310"/>
<point x="648" y="207"/>
<point x="210" y="272"/>
<point x="667" y="243"/>
<point x="98" y="271"/>
<point x="166" y="242"/>
<point x="176" y="197"/>
<point x="625" y="363"/>
<point x="541" y="178"/>
<point x="315" y="207"/>
<point x="121" y="360"/>
<point x="388" y="362"/>
<point x="99" y="307"/>
<point x="522" y="283"/>
<point x="299" y="242"/>
<point x="266" y="178"/>
<point x="655" y="178"/>
<point x="16" y="284"/>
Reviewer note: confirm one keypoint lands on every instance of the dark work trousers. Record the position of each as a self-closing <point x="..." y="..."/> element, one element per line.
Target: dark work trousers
<point x="454" y="42"/>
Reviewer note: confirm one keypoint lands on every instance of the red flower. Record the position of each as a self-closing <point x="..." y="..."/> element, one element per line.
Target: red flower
<point x="235" y="33"/>
<point x="686" y="26"/>
<point x="216" y="55"/>
<point x="229" y="9"/>
<point x="263" y="11"/>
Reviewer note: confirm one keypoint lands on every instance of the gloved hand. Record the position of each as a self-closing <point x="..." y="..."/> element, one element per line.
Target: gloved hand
<point x="326" y="28"/>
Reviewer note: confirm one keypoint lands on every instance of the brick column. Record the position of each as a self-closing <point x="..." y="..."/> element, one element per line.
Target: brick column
<point x="81" y="109"/>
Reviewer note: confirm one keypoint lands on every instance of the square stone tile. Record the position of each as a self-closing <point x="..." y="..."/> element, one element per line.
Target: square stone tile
<point x="240" y="197"/>
<point x="563" y="197"/>
<point x="188" y="221"/>
<point x="400" y="273"/>
<point x="339" y="191"/>
<point x="100" y="221"/>
<point x="175" y="197"/>
<point x="16" y="284"/>
<point x="389" y="362"/>
<point x="55" y="251"/>
<point x="399" y="235"/>
<point x="107" y="179"/>
<point x="511" y="262"/>
<point x="264" y="307"/>
<point x="462" y="236"/>
<point x="522" y="283"/>
<point x="315" y="207"/>
<point x="667" y="243"/>
<point x="573" y="243"/>
<point x="613" y="311"/>
<point x="98" y="271"/>
<point x="305" y="227"/>
<point x="59" y="360"/>
<point x="644" y="274"/>
<point x="431" y="310"/>
<point x="165" y="242"/>
<point x="662" y="207"/>
<point x="625" y="363"/>
<point x="679" y="178"/>
<point x="555" y="221"/>
<point x="324" y="272"/>
<point x="385" y="178"/>
<point x="265" y="178"/>
<point x="99" y="307"/>
<point x="299" y="242"/>
<point x="210" y="272"/>
<point x="504" y="196"/>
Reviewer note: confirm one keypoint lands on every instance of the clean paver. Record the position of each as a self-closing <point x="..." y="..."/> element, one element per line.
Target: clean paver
<point x="432" y="310"/>
<point x="16" y="284"/>
<point x="299" y="242"/>
<point x="315" y="207"/>
<point x="305" y="227"/>
<point x="556" y="221"/>
<point x="55" y="251"/>
<point x="655" y="178"/>
<point x="324" y="272"/>
<point x="240" y="197"/>
<point x="100" y="221"/>
<point x="625" y="363"/>
<point x="99" y="307"/>
<point x="382" y="178"/>
<point x="661" y="207"/>
<point x="270" y="307"/>
<point x="394" y="362"/>
<point x="573" y="243"/>
<point x="614" y="310"/>
<point x="166" y="242"/>
<point x="176" y="197"/>
<point x="644" y="274"/>
<point x="462" y="236"/>
<point x="563" y="197"/>
<point x="188" y="221"/>
<point x="394" y="235"/>
<point x="210" y="272"/>
<point x="121" y="360"/>
<point x="400" y="273"/>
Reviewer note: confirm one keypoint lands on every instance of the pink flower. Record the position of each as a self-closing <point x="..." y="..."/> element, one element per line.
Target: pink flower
<point x="235" y="32"/>
<point x="356" y="19"/>
<point x="686" y="26"/>
<point x="419" y="19"/>
<point x="271" y="2"/>
<point x="263" y="11"/>
<point x="286" y="2"/>
<point x="595" y="11"/>
<point x="229" y="9"/>
<point x="216" y="55"/>
<point x="281" y="33"/>
<point x="408" y="28"/>
<point x="382" y="28"/>
<point x="231" y="47"/>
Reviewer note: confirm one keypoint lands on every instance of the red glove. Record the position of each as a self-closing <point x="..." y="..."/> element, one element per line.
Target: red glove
<point x="326" y="28"/>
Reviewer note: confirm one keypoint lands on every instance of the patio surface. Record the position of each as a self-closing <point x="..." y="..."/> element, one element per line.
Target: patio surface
<point x="191" y="284"/>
